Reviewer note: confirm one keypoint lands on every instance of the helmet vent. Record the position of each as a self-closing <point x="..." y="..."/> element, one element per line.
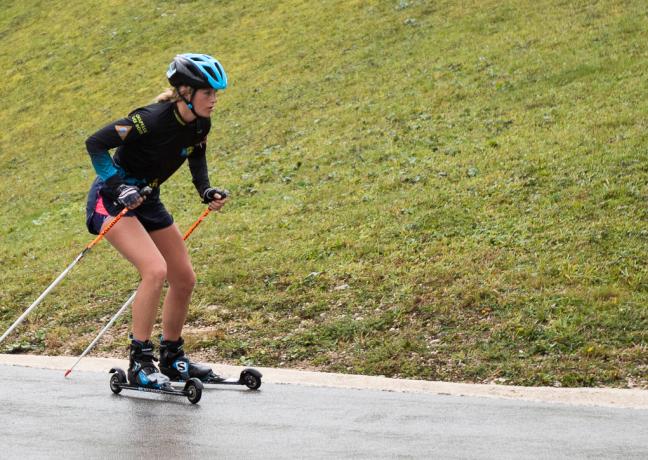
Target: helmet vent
<point x="194" y="71"/>
<point x="211" y="72"/>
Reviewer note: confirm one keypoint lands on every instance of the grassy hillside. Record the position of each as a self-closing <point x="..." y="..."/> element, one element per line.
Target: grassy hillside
<point x="427" y="189"/>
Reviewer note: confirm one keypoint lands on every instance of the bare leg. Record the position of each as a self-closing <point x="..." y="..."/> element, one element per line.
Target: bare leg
<point x="181" y="277"/>
<point x="130" y="238"/>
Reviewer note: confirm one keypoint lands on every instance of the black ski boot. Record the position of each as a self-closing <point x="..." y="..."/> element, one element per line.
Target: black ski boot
<point x="175" y="364"/>
<point x="141" y="370"/>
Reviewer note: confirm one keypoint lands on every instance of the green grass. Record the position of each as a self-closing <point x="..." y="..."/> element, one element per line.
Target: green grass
<point x="423" y="189"/>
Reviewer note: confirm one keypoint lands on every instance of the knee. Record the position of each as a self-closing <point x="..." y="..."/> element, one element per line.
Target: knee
<point x="183" y="281"/>
<point x="155" y="273"/>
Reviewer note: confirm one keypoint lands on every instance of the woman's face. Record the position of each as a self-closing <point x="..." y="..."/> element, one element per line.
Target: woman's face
<point x="204" y="101"/>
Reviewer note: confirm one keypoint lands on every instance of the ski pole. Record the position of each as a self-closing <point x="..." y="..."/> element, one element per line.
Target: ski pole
<point x="129" y="301"/>
<point x="145" y="191"/>
<point x="196" y="224"/>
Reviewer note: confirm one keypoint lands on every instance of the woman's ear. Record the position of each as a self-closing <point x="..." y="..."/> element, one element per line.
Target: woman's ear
<point x="185" y="91"/>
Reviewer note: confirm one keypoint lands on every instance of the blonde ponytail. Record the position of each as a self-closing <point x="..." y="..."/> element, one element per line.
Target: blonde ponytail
<point x="169" y="95"/>
<point x="172" y="95"/>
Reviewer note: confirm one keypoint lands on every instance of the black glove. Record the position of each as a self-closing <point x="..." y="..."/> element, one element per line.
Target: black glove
<point x="128" y="195"/>
<point x="212" y="194"/>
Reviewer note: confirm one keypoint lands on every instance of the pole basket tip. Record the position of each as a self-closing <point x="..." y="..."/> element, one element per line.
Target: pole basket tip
<point x="67" y="372"/>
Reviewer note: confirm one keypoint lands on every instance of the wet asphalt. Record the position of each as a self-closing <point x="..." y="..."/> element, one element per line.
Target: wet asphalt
<point x="44" y="415"/>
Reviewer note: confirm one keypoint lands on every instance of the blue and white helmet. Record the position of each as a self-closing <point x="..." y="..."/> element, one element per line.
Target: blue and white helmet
<point x="197" y="71"/>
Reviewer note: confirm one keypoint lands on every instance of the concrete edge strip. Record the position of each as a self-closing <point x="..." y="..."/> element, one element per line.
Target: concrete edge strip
<point x="603" y="397"/>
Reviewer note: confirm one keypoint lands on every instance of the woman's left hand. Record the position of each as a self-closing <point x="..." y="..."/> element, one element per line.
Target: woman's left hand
<point x="215" y="198"/>
<point x="216" y="205"/>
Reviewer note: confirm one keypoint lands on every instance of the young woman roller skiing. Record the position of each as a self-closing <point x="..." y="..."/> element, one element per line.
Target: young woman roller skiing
<point x="151" y="143"/>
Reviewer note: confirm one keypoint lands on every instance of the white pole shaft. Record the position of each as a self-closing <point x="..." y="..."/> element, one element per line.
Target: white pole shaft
<point x="42" y="296"/>
<point x="103" y="331"/>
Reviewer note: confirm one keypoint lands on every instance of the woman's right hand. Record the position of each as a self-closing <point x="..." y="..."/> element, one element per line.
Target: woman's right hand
<point x="129" y="196"/>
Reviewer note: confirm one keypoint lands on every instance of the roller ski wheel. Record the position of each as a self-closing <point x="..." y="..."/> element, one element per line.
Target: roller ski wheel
<point x="192" y="389"/>
<point x="251" y="378"/>
<point x="117" y="380"/>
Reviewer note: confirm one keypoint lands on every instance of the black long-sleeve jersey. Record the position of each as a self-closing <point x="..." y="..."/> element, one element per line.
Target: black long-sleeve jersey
<point x="152" y="143"/>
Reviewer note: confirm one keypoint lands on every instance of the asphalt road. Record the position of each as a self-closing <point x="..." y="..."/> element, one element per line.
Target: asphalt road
<point x="44" y="415"/>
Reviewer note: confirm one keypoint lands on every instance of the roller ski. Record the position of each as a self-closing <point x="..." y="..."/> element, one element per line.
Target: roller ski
<point x="144" y="376"/>
<point x="175" y="365"/>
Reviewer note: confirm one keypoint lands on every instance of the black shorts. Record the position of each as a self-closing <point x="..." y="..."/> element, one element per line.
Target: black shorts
<point x="151" y="213"/>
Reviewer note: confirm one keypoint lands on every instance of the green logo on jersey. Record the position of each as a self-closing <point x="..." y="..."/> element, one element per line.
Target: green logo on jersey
<point x="139" y="124"/>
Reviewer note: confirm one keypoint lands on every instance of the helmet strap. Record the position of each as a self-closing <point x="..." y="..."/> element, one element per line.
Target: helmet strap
<point x="189" y="102"/>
